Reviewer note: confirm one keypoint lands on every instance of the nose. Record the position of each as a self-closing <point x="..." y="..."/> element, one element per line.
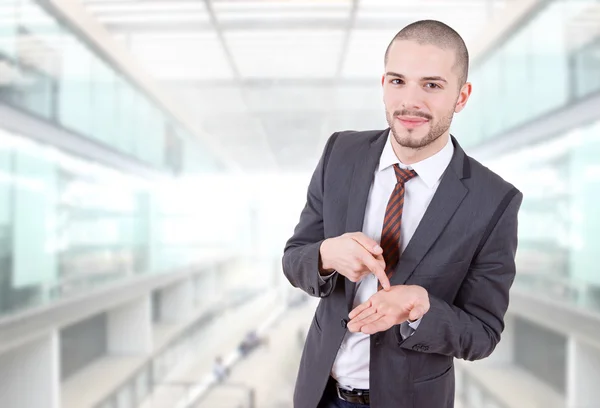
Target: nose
<point x="412" y="98"/>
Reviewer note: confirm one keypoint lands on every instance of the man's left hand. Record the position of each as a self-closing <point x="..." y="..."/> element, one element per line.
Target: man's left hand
<point x="388" y="308"/>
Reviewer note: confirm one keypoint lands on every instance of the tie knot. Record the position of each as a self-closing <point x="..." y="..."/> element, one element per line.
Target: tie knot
<point x="403" y="175"/>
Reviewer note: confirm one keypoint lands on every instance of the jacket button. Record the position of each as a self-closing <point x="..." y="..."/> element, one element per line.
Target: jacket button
<point x="344" y="323"/>
<point x="312" y="290"/>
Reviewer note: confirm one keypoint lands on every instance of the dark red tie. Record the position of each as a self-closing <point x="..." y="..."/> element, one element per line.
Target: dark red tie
<point x="392" y="223"/>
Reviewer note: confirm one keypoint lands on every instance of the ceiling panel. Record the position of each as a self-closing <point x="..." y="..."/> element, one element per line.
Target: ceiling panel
<point x="279" y="15"/>
<point x="208" y="99"/>
<point x="146" y="18"/>
<point x="466" y="16"/>
<point x="261" y="76"/>
<point x="366" y="49"/>
<point x="289" y="5"/>
<point x="124" y="7"/>
<point x="181" y="56"/>
<point x="252" y="15"/>
<point x="289" y="98"/>
<point x="285" y="54"/>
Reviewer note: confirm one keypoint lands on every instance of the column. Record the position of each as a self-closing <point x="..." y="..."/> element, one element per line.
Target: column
<point x="130" y="328"/>
<point x="30" y="375"/>
<point x="583" y="372"/>
<point x="177" y="301"/>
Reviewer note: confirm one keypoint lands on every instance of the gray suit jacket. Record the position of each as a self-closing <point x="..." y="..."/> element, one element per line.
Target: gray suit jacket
<point x="462" y="252"/>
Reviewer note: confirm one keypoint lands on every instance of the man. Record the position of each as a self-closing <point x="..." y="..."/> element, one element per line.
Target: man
<point x="409" y="243"/>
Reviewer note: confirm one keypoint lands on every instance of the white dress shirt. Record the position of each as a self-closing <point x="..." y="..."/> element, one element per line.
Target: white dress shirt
<point x="351" y="367"/>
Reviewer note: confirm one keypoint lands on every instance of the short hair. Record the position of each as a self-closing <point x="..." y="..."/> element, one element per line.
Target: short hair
<point x="436" y="33"/>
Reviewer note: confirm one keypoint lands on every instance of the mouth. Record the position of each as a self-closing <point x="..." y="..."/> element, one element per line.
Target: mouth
<point x="411" y="122"/>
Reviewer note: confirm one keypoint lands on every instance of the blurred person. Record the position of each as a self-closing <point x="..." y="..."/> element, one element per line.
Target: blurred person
<point x="220" y="371"/>
<point x="409" y="243"/>
<point x="249" y="343"/>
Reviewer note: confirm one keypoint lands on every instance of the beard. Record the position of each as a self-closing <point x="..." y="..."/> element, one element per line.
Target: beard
<point x="405" y="137"/>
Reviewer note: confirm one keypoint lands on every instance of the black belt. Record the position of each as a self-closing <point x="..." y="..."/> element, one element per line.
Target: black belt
<point x="354" y="396"/>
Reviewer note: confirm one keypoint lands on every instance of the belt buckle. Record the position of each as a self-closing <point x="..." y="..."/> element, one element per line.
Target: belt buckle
<point x="360" y="395"/>
<point x="339" y="394"/>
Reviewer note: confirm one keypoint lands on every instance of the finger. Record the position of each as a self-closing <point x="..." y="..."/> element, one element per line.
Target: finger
<point x="355" y="325"/>
<point x="375" y="267"/>
<point x="381" y="261"/>
<point x="368" y="243"/>
<point x="383" y="279"/>
<point x="372" y="264"/>
<point x="364" y="314"/>
<point x="367" y="320"/>
<point x="379" y="325"/>
<point x="358" y="309"/>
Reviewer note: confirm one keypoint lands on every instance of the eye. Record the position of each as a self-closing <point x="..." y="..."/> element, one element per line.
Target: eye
<point x="396" y="81"/>
<point x="432" y="85"/>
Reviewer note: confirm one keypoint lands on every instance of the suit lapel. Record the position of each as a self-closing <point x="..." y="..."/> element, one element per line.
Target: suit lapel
<point x="360" y="185"/>
<point x="445" y="202"/>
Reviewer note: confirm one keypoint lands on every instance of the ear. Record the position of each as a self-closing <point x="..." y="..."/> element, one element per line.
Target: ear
<point x="382" y="79"/>
<point x="463" y="97"/>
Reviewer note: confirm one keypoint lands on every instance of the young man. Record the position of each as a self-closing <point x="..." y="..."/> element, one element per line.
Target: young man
<point x="409" y="243"/>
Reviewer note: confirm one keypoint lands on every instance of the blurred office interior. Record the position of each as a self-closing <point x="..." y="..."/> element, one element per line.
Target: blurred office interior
<point x="154" y="159"/>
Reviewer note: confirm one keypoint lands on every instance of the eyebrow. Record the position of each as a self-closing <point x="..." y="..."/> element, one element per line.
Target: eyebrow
<point x="429" y="78"/>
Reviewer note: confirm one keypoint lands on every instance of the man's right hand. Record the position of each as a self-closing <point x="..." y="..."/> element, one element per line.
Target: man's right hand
<point x="353" y="255"/>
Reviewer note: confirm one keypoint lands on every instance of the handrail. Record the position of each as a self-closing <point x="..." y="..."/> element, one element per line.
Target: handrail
<point x="210" y="315"/>
<point x="21" y="327"/>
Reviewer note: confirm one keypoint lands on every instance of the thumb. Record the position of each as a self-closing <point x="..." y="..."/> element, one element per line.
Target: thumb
<point x="416" y="313"/>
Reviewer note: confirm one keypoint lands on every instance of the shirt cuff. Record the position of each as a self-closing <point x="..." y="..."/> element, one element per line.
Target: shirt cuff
<point x="415" y="325"/>
<point x="407" y="329"/>
<point x="323" y="279"/>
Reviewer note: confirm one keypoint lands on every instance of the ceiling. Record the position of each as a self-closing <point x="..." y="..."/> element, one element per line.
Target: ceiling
<point x="272" y="79"/>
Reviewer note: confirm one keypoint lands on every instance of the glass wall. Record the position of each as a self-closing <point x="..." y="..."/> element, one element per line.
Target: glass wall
<point x="548" y="62"/>
<point x="46" y="70"/>
<point x="559" y="218"/>
<point x="68" y="225"/>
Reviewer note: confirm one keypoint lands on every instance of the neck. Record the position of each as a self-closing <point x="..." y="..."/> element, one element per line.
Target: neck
<point x="408" y="155"/>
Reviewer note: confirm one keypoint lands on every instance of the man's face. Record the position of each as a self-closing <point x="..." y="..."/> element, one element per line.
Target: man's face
<point x="420" y="92"/>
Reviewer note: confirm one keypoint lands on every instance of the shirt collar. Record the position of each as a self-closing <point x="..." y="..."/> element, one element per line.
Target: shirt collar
<point x="429" y="170"/>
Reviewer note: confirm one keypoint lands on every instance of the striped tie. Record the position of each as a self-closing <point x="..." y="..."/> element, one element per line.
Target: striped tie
<point x="390" y="234"/>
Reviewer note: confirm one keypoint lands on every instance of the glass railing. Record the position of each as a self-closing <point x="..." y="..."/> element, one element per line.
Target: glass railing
<point x="49" y="71"/>
<point x="561" y="288"/>
<point x="68" y="225"/>
<point x="559" y="219"/>
<point x="548" y="62"/>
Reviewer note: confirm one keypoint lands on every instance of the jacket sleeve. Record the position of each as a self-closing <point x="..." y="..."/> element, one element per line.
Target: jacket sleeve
<point x="301" y="256"/>
<point x="470" y="328"/>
